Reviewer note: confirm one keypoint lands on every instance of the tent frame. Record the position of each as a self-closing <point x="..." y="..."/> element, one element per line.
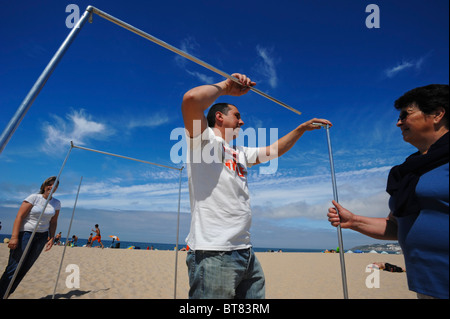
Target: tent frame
<point x="87" y="15"/>
<point x="72" y="146"/>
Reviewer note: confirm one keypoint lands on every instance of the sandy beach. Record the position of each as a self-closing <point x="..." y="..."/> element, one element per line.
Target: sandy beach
<point x="141" y="274"/>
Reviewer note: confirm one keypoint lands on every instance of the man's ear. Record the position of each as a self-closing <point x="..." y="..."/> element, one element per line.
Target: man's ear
<point x="439" y="114"/>
<point x="219" y="117"/>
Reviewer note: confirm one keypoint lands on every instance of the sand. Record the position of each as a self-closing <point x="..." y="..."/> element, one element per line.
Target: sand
<point x="141" y="274"/>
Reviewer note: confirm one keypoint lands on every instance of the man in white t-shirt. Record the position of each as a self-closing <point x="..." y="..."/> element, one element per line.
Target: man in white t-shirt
<point x="221" y="262"/>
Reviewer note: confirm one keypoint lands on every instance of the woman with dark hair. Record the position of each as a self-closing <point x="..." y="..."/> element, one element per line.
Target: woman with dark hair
<point x="24" y="225"/>
<point x="419" y="190"/>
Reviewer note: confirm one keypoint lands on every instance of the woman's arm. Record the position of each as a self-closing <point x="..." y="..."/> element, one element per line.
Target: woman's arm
<point x="378" y="228"/>
<point x="52" y="231"/>
<point x="23" y="212"/>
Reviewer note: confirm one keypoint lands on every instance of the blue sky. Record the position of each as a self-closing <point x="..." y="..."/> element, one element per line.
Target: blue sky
<point x="117" y="92"/>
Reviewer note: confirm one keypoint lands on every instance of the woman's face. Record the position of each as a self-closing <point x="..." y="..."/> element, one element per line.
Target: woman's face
<point x="416" y="126"/>
<point x="48" y="189"/>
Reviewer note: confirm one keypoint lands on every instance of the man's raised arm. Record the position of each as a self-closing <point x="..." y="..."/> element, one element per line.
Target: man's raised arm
<point x="285" y="143"/>
<point x="198" y="99"/>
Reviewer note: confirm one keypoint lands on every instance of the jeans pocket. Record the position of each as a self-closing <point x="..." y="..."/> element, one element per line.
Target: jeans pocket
<point x="213" y="253"/>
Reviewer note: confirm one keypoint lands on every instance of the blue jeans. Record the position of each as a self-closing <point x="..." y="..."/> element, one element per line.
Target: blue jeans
<point x="39" y="241"/>
<point x="233" y="274"/>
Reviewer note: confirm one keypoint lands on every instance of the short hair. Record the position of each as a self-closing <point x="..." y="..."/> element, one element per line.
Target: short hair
<point x="47" y="182"/>
<point x="218" y="107"/>
<point x="427" y="98"/>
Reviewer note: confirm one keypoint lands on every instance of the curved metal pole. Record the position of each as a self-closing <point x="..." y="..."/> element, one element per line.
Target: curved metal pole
<point x="39" y="84"/>
<point x="178" y="234"/>
<point x="68" y="234"/>
<point x="25" y="252"/>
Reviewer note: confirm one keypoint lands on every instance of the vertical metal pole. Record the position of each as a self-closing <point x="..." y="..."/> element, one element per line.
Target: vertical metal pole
<point x="68" y="234"/>
<point x="39" y="84"/>
<point x="34" y="230"/>
<point x="178" y="234"/>
<point x="335" y="195"/>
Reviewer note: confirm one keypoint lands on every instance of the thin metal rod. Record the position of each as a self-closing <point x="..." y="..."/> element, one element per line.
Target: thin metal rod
<point x="125" y="157"/>
<point x="335" y="196"/>
<point x="25" y="252"/>
<point x="178" y="235"/>
<point x="39" y="84"/>
<point x="68" y="234"/>
<point x="183" y="54"/>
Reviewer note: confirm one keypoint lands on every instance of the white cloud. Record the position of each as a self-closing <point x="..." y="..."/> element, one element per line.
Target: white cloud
<point x="363" y="191"/>
<point x="278" y="197"/>
<point x="150" y="121"/>
<point x="77" y="127"/>
<point x="123" y="194"/>
<point x="291" y="211"/>
<point x="400" y="67"/>
<point x="202" y="77"/>
<point x="80" y="128"/>
<point x="190" y="45"/>
<point x="404" y="65"/>
<point x="267" y="66"/>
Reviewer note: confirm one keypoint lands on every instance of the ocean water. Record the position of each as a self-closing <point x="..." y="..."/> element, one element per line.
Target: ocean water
<point x="107" y="243"/>
<point x="164" y="246"/>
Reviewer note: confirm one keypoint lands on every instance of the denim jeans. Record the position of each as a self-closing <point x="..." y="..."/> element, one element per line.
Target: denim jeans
<point x="39" y="241"/>
<point x="233" y="274"/>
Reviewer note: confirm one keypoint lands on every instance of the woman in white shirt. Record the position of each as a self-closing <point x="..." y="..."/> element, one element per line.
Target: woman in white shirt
<point x="24" y="224"/>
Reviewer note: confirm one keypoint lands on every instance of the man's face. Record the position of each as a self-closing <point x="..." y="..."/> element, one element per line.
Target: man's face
<point x="232" y="122"/>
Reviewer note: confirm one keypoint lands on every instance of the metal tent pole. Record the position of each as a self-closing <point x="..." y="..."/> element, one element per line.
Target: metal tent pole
<point x="179" y="198"/>
<point x="136" y="160"/>
<point x="68" y="234"/>
<point x="121" y="156"/>
<point x="182" y="53"/>
<point x="25" y="252"/>
<point x="339" y="231"/>
<point x="335" y="197"/>
<point x="39" y="84"/>
<point x="178" y="234"/>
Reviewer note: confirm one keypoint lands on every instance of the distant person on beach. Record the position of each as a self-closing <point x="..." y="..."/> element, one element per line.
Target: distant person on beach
<point x="115" y="245"/>
<point x="419" y="190"/>
<point x="97" y="237"/>
<point x="221" y="262"/>
<point x="73" y="241"/>
<point x="388" y="267"/>
<point x="24" y="225"/>
<point x="57" y="239"/>
<point x="89" y="241"/>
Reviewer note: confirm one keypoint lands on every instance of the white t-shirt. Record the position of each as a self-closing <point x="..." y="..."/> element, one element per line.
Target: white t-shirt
<point x="219" y="196"/>
<point x="38" y="202"/>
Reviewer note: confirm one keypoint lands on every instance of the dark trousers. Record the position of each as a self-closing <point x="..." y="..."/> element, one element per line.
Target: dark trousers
<point x="38" y="244"/>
